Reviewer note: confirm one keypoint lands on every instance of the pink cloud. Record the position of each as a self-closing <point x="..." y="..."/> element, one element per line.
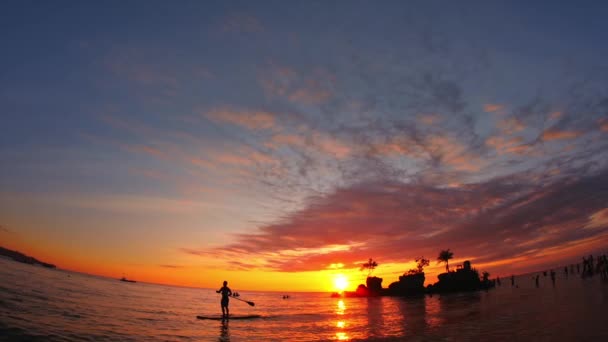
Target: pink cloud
<point x="508" y="145"/>
<point x="253" y="120"/>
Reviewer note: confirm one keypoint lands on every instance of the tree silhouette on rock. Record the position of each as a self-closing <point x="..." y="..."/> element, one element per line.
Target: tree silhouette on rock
<point x="444" y="256"/>
<point x="370" y="265"/>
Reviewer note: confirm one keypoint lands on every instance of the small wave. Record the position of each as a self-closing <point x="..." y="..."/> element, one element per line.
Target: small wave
<point x="71" y="315"/>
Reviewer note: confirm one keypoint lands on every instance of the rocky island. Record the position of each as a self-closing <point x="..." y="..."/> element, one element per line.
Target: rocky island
<point x="411" y="283"/>
<point x="26" y="259"/>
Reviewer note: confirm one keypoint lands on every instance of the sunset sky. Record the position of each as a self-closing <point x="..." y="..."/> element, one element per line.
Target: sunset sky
<point x="279" y="144"/>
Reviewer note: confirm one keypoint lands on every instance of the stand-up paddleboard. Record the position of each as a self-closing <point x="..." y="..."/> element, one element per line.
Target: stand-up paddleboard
<point x="219" y="317"/>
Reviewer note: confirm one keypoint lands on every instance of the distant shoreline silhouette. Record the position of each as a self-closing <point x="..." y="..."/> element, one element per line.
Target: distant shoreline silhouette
<point x="26" y="259"/>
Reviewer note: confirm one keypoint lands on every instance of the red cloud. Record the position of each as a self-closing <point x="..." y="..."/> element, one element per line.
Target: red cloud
<point x="396" y="222"/>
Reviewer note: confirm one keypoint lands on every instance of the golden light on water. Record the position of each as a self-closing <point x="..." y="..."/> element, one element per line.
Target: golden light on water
<point x="341" y="324"/>
<point x="340" y="336"/>
<point x="341" y="307"/>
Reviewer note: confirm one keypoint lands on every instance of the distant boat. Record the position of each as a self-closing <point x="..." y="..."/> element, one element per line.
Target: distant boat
<point x="127" y="280"/>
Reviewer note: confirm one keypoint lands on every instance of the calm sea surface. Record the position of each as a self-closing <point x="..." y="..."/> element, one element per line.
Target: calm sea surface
<point x="54" y="305"/>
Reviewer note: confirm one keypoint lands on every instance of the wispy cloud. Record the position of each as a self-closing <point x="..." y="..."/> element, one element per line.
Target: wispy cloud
<point x="493" y="107"/>
<point x="171" y="266"/>
<point x="244" y="118"/>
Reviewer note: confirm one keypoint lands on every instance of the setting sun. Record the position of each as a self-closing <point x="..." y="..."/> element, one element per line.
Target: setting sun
<point x="340" y="282"/>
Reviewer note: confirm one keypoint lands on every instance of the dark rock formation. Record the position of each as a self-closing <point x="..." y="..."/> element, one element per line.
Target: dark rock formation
<point x="374" y="285"/>
<point x="464" y="279"/>
<point x="20" y="257"/>
<point x="408" y="285"/>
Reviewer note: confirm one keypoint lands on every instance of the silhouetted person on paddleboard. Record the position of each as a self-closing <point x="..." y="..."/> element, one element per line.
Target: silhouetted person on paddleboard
<point x="226" y="293"/>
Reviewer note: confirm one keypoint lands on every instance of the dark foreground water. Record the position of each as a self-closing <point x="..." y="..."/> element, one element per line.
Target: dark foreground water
<point x="53" y="305"/>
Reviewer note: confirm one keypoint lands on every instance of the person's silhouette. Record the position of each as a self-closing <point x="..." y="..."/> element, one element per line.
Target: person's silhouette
<point x="226" y="293"/>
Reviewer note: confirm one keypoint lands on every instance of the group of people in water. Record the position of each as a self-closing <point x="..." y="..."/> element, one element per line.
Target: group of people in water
<point x="590" y="267"/>
<point x="593" y="266"/>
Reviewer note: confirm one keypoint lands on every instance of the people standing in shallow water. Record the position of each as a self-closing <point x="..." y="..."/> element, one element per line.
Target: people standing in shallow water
<point x="226" y="293"/>
<point x="553" y="277"/>
<point x="512" y="280"/>
<point x="536" y="280"/>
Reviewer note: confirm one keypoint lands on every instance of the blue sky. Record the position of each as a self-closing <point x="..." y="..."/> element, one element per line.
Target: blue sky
<point x="237" y="129"/>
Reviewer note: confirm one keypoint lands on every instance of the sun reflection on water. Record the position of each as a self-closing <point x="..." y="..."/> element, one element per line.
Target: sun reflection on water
<point x="341" y="307"/>
<point x="341" y="323"/>
<point x="341" y="336"/>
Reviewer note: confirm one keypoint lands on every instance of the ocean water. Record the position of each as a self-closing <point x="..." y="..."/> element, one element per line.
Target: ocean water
<point x="38" y="304"/>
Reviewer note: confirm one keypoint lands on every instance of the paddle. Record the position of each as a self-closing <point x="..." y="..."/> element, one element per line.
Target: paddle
<point x="246" y="301"/>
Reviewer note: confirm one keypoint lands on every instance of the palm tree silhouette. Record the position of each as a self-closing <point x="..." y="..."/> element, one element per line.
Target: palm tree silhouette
<point x="369" y="266"/>
<point x="444" y="256"/>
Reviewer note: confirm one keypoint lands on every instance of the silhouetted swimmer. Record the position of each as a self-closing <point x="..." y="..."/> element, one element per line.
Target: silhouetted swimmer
<point x="536" y="280"/>
<point x="553" y="277"/>
<point x="512" y="280"/>
<point x="226" y="293"/>
<point x="498" y="281"/>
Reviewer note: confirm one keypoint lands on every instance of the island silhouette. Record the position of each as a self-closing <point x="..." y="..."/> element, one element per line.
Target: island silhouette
<point x="411" y="283"/>
<point x="26" y="259"/>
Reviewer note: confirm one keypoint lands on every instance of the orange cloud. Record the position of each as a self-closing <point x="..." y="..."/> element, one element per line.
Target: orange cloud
<point x="598" y="219"/>
<point x="253" y="120"/>
<point x="492" y="108"/>
<point x="550" y="135"/>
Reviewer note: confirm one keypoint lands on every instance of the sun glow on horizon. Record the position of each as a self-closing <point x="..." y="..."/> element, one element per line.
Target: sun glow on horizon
<point x="340" y="282"/>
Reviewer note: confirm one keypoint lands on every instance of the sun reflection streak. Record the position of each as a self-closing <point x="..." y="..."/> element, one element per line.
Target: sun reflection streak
<point x="341" y="336"/>
<point x="341" y="324"/>
<point x="341" y="307"/>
